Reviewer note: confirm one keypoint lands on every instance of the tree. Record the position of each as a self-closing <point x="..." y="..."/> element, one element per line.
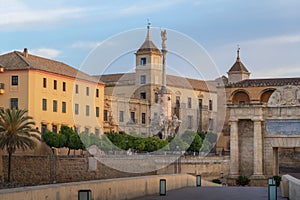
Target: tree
<point x="16" y="132"/>
<point x="54" y="139"/>
<point x="75" y="142"/>
<point x="67" y="132"/>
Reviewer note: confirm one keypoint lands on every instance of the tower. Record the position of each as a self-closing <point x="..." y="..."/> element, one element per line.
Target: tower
<point x="238" y="71"/>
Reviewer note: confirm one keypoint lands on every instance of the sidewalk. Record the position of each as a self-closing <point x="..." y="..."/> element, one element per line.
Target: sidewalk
<point x="216" y="193"/>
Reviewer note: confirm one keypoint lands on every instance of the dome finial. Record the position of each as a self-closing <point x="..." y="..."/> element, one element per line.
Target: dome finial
<point x="238" y="53"/>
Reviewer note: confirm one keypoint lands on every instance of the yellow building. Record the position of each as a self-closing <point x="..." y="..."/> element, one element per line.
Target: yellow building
<point x="54" y="93"/>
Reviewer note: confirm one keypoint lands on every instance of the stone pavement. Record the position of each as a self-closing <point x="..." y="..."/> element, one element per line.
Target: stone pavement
<point x="216" y="193"/>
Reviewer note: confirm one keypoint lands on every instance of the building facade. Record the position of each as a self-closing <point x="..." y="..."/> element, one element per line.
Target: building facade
<point x="264" y="120"/>
<point x="134" y="100"/>
<point x="54" y="93"/>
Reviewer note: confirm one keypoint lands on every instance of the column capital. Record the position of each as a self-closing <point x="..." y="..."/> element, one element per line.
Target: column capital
<point x="233" y="120"/>
<point x="257" y="119"/>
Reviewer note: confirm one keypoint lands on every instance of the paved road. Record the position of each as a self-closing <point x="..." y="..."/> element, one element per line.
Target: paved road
<point x="216" y="193"/>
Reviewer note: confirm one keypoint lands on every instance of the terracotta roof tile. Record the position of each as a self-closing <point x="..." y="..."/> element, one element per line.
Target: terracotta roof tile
<point x="17" y="61"/>
<point x="265" y="82"/>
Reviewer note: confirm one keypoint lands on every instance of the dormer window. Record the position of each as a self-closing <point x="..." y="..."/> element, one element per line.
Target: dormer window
<point x="143" y="61"/>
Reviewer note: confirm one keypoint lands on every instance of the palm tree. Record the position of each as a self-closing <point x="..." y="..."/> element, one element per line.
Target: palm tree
<point x="16" y="132"/>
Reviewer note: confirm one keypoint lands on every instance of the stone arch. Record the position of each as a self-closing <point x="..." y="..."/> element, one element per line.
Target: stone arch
<point x="265" y="95"/>
<point x="240" y="97"/>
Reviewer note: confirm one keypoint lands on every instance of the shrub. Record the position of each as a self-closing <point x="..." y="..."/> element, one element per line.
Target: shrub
<point x="277" y="180"/>
<point x="242" y="181"/>
<point x="216" y="181"/>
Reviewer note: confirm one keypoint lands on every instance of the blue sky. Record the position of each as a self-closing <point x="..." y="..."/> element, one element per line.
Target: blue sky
<point x="268" y="31"/>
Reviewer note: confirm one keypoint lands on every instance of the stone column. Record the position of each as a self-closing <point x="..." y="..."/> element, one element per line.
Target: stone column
<point x="234" y="148"/>
<point x="257" y="150"/>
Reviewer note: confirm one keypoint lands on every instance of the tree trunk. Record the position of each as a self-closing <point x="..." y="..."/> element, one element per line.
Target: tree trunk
<point x="9" y="166"/>
<point x="69" y="151"/>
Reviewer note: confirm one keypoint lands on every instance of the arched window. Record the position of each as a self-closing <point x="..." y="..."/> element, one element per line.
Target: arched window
<point x="241" y="98"/>
<point x="264" y="98"/>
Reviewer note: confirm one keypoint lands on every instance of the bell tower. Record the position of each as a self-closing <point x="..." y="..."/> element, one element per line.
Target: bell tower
<point x="148" y="63"/>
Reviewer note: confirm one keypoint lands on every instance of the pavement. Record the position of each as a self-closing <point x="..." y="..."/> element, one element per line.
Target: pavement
<point x="216" y="193"/>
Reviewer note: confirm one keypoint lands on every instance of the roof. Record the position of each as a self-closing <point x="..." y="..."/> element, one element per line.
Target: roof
<point x="265" y="82"/>
<point x="17" y="61"/>
<point x="238" y="66"/>
<point x="148" y="45"/>
<point x="172" y="81"/>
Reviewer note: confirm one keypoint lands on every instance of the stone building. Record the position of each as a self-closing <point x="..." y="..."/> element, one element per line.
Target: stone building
<point x="133" y="100"/>
<point x="264" y="119"/>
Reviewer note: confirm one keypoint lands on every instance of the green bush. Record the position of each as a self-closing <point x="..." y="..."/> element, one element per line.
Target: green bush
<point x="242" y="181"/>
<point x="216" y="181"/>
<point x="277" y="180"/>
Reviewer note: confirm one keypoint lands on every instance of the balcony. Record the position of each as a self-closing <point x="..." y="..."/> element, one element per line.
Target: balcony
<point x="2" y="91"/>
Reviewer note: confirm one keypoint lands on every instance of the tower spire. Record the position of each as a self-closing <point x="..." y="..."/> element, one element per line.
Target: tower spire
<point x="148" y="30"/>
<point x="238" y="53"/>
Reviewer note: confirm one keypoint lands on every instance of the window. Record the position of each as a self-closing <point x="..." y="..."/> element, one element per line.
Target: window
<point x="76" y="89"/>
<point x="132" y="117"/>
<point x="97" y="132"/>
<point x="87" y="91"/>
<point x="143" y="118"/>
<point x="178" y="101"/>
<point x="55" y="84"/>
<point x="76" y="108"/>
<point x="64" y="86"/>
<point x="44" y="82"/>
<point x="121" y="116"/>
<point x="211" y="124"/>
<point x="97" y="92"/>
<point x="105" y="115"/>
<point x="143" y="95"/>
<point x="63" y="107"/>
<point x="210" y="105"/>
<point x="190" y="122"/>
<point x="86" y="130"/>
<point x="14" y="80"/>
<point x="200" y="103"/>
<point x="54" y="106"/>
<point x="189" y="102"/>
<point x="14" y="103"/>
<point x="54" y="128"/>
<point x="44" y="128"/>
<point x="44" y="104"/>
<point x="143" y="79"/>
<point x="87" y="110"/>
<point x="143" y="61"/>
<point x="156" y="97"/>
<point x="97" y="111"/>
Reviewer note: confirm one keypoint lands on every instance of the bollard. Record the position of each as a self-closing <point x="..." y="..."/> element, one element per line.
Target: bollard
<point x="198" y="180"/>
<point x="272" y="192"/>
<point x="84" y="195"/>
<point x="162" y="187"/>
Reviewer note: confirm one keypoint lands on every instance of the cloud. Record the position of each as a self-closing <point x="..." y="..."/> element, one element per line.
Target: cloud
<point x="16" y="15"/>
<point x="85" y="44"/>
<point x="45" y="52"/>
<point x="280" y="39"/>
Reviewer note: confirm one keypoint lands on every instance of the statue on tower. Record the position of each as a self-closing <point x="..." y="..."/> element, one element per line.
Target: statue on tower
<point x="164" y="38"/>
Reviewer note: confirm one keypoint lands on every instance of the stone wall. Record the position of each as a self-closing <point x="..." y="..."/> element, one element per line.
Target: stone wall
<point x="112" y="189"/>
<point x="245" y="136"/>
<point x="48" y="169"/>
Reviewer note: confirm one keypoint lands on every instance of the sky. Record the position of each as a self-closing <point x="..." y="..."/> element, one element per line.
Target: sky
<point x="267" y="32"/>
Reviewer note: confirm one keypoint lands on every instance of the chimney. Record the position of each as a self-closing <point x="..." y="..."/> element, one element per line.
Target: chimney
<point x="25" y="53"/>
